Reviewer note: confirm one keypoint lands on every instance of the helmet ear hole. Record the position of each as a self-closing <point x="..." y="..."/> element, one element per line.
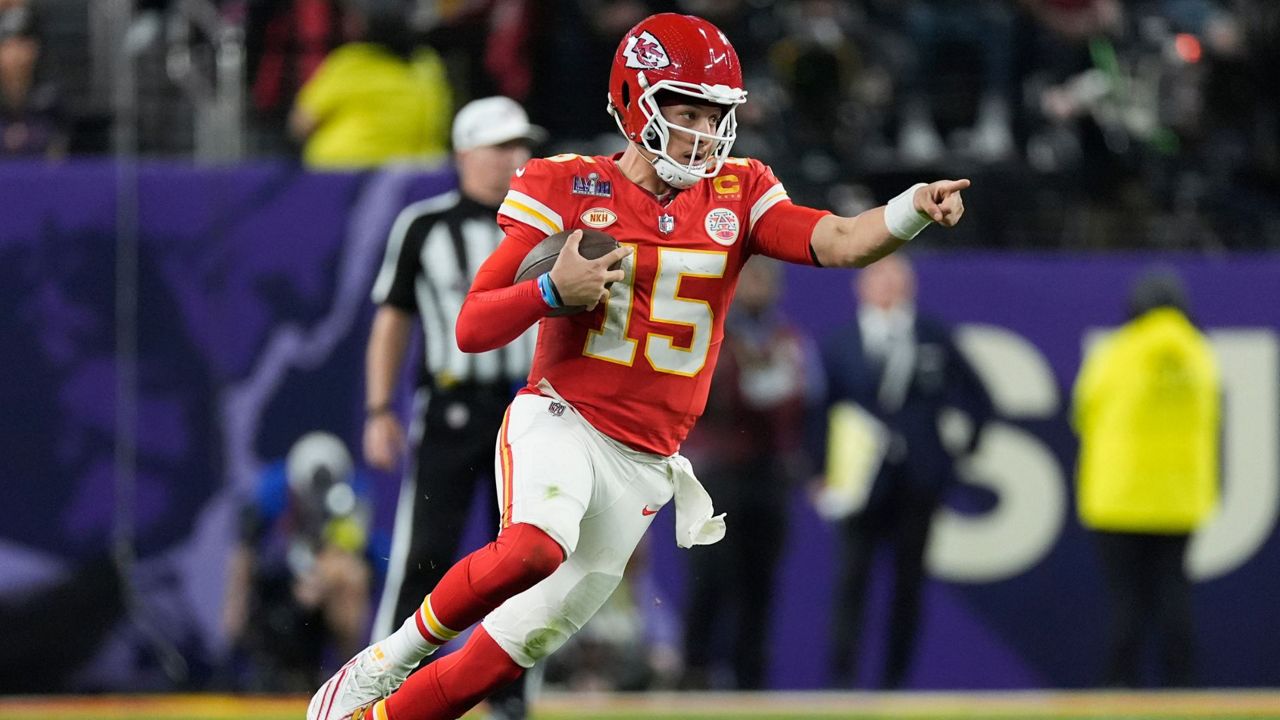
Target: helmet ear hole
<point x="626" y="94"/>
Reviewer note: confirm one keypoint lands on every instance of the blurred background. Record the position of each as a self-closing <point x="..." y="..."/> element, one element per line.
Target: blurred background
<point x="188" y="241"/>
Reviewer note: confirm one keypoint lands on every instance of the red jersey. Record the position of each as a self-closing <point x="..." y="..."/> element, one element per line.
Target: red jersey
<point x="639" y="366"/>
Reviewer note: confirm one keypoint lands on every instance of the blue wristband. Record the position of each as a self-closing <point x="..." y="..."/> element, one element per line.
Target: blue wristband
<point x="548" y="291"/>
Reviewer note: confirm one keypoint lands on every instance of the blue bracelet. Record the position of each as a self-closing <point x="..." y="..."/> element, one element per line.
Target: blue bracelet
<point x="548" y="291"/>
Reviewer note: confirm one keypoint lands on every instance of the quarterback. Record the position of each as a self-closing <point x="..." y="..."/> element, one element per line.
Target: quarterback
<point x="589" y="450"/>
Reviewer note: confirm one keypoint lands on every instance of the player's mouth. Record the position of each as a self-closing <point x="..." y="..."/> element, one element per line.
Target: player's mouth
<point x="689" y="160"/>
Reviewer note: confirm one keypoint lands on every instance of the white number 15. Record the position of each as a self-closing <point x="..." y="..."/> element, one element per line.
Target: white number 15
<point x="611" y="342"/>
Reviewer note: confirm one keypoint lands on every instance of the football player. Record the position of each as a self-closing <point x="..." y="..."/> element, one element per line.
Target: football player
<point x="589" y="450"/>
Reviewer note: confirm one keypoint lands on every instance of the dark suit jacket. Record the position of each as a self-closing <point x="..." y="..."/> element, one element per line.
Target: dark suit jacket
<point x="942" y="377"/>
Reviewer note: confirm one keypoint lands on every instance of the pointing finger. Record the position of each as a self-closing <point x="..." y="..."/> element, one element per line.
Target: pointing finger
<point x="946" y="187"/>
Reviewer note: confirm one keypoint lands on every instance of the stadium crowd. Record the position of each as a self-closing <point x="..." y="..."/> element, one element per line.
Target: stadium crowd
<point x="1140" y="124"/>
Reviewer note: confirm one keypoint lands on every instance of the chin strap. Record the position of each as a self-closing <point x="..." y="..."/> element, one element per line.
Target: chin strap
<point x="674" y="175"/>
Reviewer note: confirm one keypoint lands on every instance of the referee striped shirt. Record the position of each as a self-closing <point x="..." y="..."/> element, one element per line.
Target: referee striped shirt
<point x="435" y="248"/>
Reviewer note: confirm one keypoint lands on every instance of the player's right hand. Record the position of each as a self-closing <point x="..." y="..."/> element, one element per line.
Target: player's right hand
<point x="581" y="281"/>
<point x="383" y="441"/>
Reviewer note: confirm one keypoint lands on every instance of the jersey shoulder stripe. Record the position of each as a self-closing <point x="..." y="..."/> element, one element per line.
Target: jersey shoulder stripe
<point x="542" y="186"/>
<point x="770" y="197"/>
<point x="531" y="211"/>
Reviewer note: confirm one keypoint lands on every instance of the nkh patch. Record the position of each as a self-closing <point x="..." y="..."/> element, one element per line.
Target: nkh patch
<point x="666" y="223"/>
<point x="722" y="226"/>
<point x="598" y="217"/>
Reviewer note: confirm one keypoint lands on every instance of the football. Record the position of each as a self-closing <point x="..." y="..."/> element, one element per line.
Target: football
<point x="542" y="257"/>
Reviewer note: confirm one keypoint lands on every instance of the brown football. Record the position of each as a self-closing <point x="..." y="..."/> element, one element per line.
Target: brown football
<point x="542" y="257"/>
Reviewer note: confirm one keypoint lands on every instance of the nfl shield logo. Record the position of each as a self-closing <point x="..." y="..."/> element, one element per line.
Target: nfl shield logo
<point x="666" y="223"/>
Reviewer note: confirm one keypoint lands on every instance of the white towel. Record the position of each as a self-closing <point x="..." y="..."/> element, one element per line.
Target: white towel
<point x="695" y="523"/>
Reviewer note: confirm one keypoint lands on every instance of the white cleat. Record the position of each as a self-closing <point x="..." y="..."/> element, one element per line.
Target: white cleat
<point x="365" y="679"/>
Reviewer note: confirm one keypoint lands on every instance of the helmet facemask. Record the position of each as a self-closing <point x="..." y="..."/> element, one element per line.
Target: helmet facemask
<point x="709" y="150"/>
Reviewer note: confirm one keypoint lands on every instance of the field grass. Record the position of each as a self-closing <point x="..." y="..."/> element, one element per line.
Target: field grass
<point x="709" y="706"/>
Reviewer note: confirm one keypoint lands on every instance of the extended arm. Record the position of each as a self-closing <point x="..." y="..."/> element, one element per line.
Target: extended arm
<point x="868" y="236"/>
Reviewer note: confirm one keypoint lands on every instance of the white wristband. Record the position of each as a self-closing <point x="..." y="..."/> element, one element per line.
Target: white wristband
<point x="901" y="216"/>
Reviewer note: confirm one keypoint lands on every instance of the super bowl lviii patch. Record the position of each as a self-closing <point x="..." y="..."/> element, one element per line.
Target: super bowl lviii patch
<point x="592" y="186"/>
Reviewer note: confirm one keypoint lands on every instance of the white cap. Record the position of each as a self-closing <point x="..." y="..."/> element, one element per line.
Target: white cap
<point x="493" y="121"/>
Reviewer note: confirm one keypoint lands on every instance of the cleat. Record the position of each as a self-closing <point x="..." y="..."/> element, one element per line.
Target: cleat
<point x="366" y="678"/>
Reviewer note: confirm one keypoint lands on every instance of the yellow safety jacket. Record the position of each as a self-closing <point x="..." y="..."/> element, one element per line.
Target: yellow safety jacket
<point x="373" y="107"/>
<point x="1146" y="407"/>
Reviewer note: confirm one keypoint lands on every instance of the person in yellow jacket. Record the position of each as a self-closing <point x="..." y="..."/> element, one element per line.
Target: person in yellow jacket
<point x="381" y="100"/>
<point x="1147" y="410"/>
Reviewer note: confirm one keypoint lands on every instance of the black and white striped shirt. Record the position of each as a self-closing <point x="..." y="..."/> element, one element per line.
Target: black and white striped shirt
<point x="435" y="248"/>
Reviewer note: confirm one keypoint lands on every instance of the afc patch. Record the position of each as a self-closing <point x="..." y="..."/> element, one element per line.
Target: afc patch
<point x="722" y="226"/>
<point x="644" y="52"/>
<point x="598" y="217"/>
<point x="592" y="186"/>
<point x="727" y="187"/>
<point x="556" y="408"/>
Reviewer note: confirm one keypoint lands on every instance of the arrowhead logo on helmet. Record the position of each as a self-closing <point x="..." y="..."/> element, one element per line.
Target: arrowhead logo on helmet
<point x="644" y="52"/>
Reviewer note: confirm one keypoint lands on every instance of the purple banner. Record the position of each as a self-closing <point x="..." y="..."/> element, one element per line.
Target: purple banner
<point x="253" y="314"/>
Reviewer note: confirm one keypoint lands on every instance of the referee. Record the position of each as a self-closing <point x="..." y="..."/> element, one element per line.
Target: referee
<point x="435" y="248"/>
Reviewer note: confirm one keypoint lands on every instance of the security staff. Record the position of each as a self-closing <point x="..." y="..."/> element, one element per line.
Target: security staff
<point x="1148" y="409"/>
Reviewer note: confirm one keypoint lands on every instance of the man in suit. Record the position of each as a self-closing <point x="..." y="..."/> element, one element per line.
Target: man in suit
<point x="903" y="369"/>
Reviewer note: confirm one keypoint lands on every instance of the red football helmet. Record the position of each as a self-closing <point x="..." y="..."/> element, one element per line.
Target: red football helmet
<point x="680" y="54"/>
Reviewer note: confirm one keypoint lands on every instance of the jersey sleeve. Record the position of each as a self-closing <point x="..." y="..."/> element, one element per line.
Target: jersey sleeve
<point x="536" y="204"/>
<point x="496" y="311"/>
<point x="778" y="227"/>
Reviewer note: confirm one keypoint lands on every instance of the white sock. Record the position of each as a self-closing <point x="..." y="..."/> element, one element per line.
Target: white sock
<point x="406" y="646"/>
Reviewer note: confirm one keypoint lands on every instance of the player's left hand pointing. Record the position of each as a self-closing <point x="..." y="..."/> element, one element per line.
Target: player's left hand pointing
<point x="941" y="201"/>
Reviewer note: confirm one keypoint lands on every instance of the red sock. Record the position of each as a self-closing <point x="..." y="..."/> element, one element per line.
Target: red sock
<point x="520" y="557"/>
<point x="449" y="687"/>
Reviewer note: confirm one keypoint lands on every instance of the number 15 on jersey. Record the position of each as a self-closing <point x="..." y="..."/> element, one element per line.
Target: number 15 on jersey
<point x="612" y="343"/>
